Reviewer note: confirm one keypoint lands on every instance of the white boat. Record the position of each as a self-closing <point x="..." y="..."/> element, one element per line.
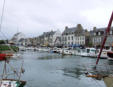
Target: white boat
<point x="11" y="83"/>
<point x="88" y="52"/>
<point x="54" y="50"/>
<point x="103" y="53"/>
<point x="16" y="55"/>
<point x="67" y="51"/>
<point x="43" y="49"/>
<point x="78" y="52"/>
<point x="59" y="50"/>
<point x="22" y="48"/>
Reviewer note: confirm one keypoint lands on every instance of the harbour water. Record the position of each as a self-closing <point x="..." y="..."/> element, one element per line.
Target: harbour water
<point x="55" y="70"/>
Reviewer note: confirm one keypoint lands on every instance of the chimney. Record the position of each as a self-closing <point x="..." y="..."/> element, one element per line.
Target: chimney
<point x="94" y="28"/>
<point x="66" y="27"/>
<point x="79" y="26"/>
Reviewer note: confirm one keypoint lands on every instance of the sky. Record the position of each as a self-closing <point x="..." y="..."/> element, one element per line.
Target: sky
<point x="33" y="17"/>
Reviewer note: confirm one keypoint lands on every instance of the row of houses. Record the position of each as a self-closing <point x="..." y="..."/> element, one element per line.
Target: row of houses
<point x="73" y="36"/>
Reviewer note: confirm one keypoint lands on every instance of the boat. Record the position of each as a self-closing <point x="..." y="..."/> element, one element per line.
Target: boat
<point x="43" y="49"/>
<point x="9" y="82"/>
<point x="110" y="55"/>
<point x="54" y="50"/>
<point x="78" y="52"/>
<point x="4" y="80"/>
<point x="89" y="52"/>
<point x="22" y="48"/>
<point x="103" y="54"/>
<point x="2" y="56"/>
<point x="67" y="51"/>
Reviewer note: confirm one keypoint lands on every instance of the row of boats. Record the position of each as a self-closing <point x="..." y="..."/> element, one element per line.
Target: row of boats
<point x="86" y="52"/>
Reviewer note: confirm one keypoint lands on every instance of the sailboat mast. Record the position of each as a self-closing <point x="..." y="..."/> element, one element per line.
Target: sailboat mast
<point x="2" y="15"/>
<point x="105" y="37"/>
<point x="4" y="70"/>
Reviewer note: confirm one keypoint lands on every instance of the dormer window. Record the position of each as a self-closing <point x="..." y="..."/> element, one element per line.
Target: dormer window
<point x="98" y="33"/>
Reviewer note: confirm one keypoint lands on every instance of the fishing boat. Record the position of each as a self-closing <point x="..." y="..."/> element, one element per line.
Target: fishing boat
<point x="9" y="82"/>
<point x="5" y="78"/>
<point x="2" y="56"/>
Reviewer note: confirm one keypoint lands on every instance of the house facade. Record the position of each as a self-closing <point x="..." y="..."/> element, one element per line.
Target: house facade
<point x="98" y="36"/>
<point x="74" y="36"/>
<point x="49" y="38"/>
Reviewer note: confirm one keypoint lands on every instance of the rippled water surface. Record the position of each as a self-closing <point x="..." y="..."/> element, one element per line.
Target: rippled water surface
<point x="54" y="70"/>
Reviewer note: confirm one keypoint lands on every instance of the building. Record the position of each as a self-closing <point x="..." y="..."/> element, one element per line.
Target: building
<point x="18" y="39"/>
<point x="98" y="36"/>
<point x="49" y="38"/>
<point x="75" y="36"/>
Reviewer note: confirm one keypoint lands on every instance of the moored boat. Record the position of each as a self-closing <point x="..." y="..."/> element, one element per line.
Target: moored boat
<point x="2" y="56"/>
<point x="12" y="83"/>
<point x="89" y="52"/>
<point x="110" y="55"/>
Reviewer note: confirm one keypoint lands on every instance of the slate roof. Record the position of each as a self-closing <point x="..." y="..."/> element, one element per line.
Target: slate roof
<point x="101" y="29"/>
<point x="70" y="30"/>
<point x="49" y="33"/>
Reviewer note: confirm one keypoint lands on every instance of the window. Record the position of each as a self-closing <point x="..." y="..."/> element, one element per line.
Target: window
<point x="65" y="38"/>
<point x="69" y="38"/>
<point x="72" y="37"/>
<point x="72" y="43"/>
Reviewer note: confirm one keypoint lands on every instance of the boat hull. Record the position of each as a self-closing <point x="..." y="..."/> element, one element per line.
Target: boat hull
<point x="110" y="56"/>
<point x="2" y="57"/>
<point x="12" y="83"/>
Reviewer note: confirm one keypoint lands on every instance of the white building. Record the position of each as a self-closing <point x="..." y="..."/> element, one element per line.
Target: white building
<point x="49" y="38"/>
<point x="18" y="39"/>
<point x="75" y="36"/>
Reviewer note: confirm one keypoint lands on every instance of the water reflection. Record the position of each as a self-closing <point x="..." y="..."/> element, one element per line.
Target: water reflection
<point x="110" y="62"/>
<point x="47" y="57"/>
<point x="74" y="72"/>
<point x="53" y="56"/>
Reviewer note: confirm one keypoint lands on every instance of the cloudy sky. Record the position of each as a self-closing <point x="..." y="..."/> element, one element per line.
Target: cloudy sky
<point x="33" y="17"/>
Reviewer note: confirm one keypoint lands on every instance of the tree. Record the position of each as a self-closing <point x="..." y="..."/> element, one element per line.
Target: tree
<point x="2" y="42"/>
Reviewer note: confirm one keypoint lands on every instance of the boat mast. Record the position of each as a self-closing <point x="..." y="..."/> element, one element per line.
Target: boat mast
<point x="105" y="37"/>
<point x="4" y="70"/>
<point x="3" y="8"/>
